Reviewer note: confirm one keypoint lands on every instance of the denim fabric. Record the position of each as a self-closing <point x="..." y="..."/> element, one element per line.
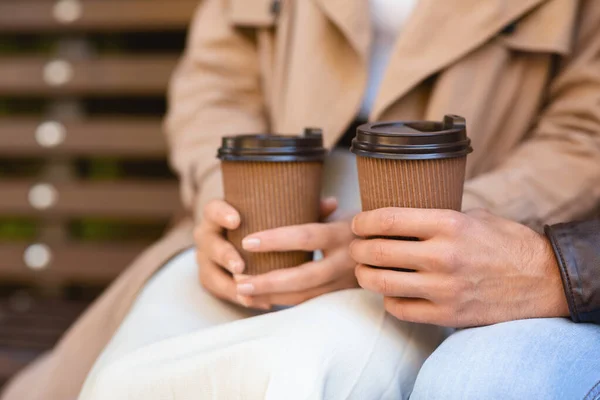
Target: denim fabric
<point x="529" y="359"/>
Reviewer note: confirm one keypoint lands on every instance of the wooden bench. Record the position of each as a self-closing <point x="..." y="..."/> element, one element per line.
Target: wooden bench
<point x="29" y="326"/>
<point x="94" y="15"/>
<point x="116" y="137"/>
<point x="146" y="75"/>
<point x="84" y="182"/>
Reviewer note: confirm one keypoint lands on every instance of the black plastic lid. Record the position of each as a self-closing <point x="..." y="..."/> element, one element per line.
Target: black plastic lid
<point x="274" y="148"/>
<point x="413" y="140"/>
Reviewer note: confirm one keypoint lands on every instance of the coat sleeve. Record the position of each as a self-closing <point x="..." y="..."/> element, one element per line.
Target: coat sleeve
<point x="576" y="246"/>
<point x="214" y="91"/>
<point x="555" y="175"/>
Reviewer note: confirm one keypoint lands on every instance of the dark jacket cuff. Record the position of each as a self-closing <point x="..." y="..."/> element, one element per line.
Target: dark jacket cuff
<point x="576" y="246"/>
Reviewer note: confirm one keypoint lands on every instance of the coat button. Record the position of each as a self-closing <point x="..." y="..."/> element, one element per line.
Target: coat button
<point x="37" y="257"/>
<point x="42" y="196"/>
<point x="50" y="134"/>
<point x="58" y="73"/>
<point x="67" y="11"/>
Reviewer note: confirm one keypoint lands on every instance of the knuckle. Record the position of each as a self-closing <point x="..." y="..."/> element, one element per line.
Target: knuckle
<point x="445" y="290"/>
<point x="383" y="285"/>
<point x="387" y="220"/>
<point x="380" y="254"/>
<point x="232" y="254"/>
<point x="433" y="260"/>
<point x="227" y="255"/>
<point x="305" y="238"/>
<point x="220" y="252"/>
<point x="454" y="221"/>
<point x="448" y="260"/>
<point x="210" y="279"/>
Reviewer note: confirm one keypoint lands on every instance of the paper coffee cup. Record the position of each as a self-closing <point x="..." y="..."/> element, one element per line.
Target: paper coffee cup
<point x="273" y="181"/>
<point x="416" y="164"/>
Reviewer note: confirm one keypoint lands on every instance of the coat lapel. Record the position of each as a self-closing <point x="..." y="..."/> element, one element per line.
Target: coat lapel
<point x="352" y="18"/>
<point x="439" y="33"/>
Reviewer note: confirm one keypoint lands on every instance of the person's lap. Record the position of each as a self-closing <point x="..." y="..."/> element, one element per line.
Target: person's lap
<point x="338" y="338"/>
<point x="528" y="359"/>
<point x="178" y="341"/>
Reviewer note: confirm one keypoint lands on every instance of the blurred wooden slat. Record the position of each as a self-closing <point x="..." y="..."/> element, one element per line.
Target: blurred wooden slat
<point x="89" y="263"/>
<point x="12" y="360"/>
<point x="97" y="15"/>
<point x="19" y="339"/>
<point x="133" y="199"/>
<point x="108" y="75"/>
<point x="33" y="335"/>
<point x="98" y="137"/>
<point x="26" y="332"/>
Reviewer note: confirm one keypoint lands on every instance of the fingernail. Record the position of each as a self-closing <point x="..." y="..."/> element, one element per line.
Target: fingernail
<point x="232" y="219"/>
<point x="245" y="288"/>
<point x="243" y="300"/>
<point x="330" y="199"/>
<point x="236" y="266"/>
<point x="251" y="243"/>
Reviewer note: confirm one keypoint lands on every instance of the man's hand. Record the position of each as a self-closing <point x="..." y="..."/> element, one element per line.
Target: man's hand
<point x="469" y="269"/>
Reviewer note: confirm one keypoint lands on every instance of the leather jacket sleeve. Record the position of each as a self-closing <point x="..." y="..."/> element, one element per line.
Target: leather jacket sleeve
<point x="576" y="246"/>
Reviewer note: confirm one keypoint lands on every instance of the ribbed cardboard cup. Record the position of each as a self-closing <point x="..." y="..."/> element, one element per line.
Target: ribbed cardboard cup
<point x="411" y="184"/>
<point x="417" y="164"/>
<point x="273" y="181"/>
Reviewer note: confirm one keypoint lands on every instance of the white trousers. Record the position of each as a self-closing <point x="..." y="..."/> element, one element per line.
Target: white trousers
<point x="180" y="343"/>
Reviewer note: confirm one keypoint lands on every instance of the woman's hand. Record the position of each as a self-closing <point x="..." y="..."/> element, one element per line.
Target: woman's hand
<point x="221" y="266"/>
<point x="295" y="285"/>
<point x="216" y="256"/>
<point x="470" y="270"/>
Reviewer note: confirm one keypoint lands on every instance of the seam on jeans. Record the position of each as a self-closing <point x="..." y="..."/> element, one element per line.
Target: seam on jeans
<point x="563" y="267"/>
<point x="595" y="392"/>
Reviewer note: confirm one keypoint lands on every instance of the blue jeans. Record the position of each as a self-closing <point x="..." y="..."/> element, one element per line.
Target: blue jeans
<point x="530" y="359"/>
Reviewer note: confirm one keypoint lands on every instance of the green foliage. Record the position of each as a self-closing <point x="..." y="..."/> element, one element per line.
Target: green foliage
<point x="17" y="229"/>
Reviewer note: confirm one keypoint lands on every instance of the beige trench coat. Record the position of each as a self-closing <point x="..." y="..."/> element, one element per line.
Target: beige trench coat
<point x="524" y="73"/>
